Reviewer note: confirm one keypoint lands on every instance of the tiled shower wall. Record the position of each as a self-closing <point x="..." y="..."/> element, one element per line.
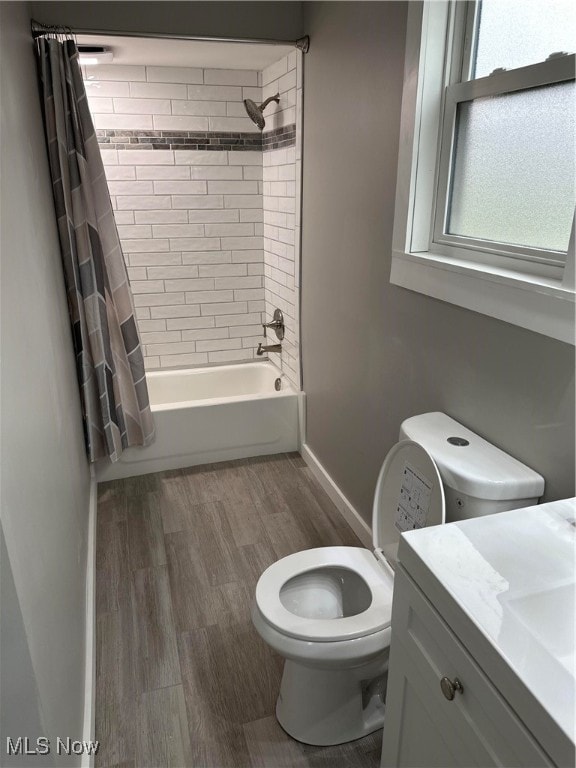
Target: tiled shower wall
<point x="184" y="167"/>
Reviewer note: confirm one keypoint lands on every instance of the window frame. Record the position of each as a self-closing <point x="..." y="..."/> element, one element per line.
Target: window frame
<point x="529" y="287"/>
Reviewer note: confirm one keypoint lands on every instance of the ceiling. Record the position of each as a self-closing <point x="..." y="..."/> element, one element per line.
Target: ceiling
<point x="171" y="52"/>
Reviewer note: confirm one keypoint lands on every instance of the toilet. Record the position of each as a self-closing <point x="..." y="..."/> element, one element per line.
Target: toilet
<point x="328" y="610"/>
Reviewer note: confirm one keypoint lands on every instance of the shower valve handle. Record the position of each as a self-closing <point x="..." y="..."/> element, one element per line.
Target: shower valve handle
<point x="277" y="324"/>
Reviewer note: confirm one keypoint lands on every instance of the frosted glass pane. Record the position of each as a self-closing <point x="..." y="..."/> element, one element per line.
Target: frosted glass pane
<point x="513" y="171"/>
<point x="515" y="33"/>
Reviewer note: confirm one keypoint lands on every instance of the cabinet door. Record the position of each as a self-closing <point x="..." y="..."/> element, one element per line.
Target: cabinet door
<point x="422" y="727"/>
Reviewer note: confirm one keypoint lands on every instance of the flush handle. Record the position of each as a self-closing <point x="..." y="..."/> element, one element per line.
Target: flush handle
<point x="451" y="687"/>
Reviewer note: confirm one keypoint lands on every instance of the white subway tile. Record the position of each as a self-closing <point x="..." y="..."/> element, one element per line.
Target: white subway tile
<point x="235" y="109"/>
<point x="226" y="308"/>
<point x="256" y="306"/>
<point x="252" y="173"/>
<point x="243" y="201"/>
<point x="251" y="214"/>
<point x="142" y="106"/>
<point x="130" y="187"/>
<point x="137" y="273"/>
<point x="287" y="81"/>
<point x="252" y="318"/>
<point x="145" y="157"/>
<point x="172" y="273"/>
<point x="208" y="297"/>
<point x="179" y="310"/>
<point x="196" y="244"/>
<point x="215" y="172"/>
<point x="219" y="230"/>
<point x="253" y="92"/>
<point x="233" y="188"/>
<point x="161" y="217"/>
<point x="160" y="337"/>
<point x="130" y="122"/>
<point x="197" y="202"/>
<point x="244" y="257"/>
<point x="214" y="93"/>
<point x="188" y="323"/>
<point x="142" y="202"/>
<point x="173" y="75"/>
<point x="236" y="283"/>
<point x="178" y="230"/>
<point x="274" y="71"/>
<point x="198" y="284"/>
<point x="201" y="157"/>
<point x="180" y="123"/>
<point x="258" y="229"/>
<point x="207" y="257"/>
<point x="230" y="356"/>
<point x="109" y="156"/>
<point x="249" y="294"/>
<point x="154" y="259"/>
<point x="199" y="108"/>
<point x="172" y="172"/>
<point x="246" y="330"/>
<point x="134" y="231"/>
<point x="156" y="91"/>
<point x="100" y="105"/>
<point x="241" y="243"/>
<point x="230" y="77"/>
<point x="201" y="334"/>
<point x="177" y="361"/>
<point x="207" y="216"/>
<point x="142" y="246"/>
<point x="287" y="204"/>
<point x="171" y="348"/>
<point x="151" y="363"/>
<point x="255" y="269"/>
<point x="241" y="124"/>
<point x="222" y="270"/>
<point x="148" y="326"/>
<point x="219" y="344"/>
<point x="287" y="173"/>
<point x="115" y="72"/>
<point x="103" y="88"/>
<point x="142" y="313"/>
<point x="123" y="217"/>
<point x="158" y="299"/>
<point x="147" y="286"/>
<point x="179" y="187"/>
<point x="120" y="173"/>
<point x="292" y="60"/>
<point x="250" y="157"/>
<point x="286" y="236"/>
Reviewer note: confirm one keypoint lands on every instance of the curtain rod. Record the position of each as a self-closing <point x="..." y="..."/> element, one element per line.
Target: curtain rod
<point x="39" y="29"/>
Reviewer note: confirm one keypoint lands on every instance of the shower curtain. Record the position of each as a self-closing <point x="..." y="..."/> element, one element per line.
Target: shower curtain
<point x="109" y="361"/>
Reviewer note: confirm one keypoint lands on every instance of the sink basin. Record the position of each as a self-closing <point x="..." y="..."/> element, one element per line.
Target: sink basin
<point x="548" y="616"/>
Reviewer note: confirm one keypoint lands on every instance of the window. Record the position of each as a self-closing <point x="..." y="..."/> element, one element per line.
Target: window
<point x="486" y="182"/>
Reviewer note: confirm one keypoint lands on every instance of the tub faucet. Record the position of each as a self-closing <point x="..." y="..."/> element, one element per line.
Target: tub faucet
<point x="269" y="348"/>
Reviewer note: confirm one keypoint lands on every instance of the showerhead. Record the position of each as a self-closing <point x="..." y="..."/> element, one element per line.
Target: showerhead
<point x="255" y="112"/>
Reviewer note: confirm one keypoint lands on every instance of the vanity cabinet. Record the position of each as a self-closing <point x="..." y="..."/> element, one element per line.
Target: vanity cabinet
<point x="442" y="709"/>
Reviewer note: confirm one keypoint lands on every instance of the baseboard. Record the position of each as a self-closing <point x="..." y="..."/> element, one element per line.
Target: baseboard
<point x="348" y="512"/>
<point x="89" y="726"/>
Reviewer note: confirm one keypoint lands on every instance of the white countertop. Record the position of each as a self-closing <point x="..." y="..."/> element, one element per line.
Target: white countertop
<point x="508" y="581"/>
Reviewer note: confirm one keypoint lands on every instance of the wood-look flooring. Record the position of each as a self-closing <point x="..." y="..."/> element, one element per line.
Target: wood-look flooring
<point x="182" y="677"/>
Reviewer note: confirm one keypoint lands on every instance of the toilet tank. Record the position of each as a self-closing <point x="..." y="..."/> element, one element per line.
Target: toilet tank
<point x="479" y="478"/>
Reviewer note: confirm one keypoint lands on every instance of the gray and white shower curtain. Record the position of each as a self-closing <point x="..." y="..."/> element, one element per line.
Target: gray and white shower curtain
<point x="109" y="359"/>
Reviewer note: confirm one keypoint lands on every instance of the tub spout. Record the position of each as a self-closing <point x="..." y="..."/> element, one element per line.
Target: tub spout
<point x="270" y="348"/>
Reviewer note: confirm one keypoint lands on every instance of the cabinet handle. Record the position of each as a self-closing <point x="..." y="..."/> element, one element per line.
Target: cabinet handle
<point x="451" y="687"/>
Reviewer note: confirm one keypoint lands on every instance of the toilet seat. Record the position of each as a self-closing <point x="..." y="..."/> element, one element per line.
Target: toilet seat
<point x="375" y="618"/>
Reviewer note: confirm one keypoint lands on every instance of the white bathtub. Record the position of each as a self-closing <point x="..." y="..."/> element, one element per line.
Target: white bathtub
<point x="205" y="415"/>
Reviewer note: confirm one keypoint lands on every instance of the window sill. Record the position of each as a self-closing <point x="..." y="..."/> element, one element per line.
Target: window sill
<point x="538" y="304"/>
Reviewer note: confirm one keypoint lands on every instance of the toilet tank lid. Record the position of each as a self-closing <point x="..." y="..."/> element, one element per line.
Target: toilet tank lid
<point x="470" y="464"/>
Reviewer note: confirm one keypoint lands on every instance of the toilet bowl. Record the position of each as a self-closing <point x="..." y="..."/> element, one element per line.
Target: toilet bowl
<point x="328" y="610"/>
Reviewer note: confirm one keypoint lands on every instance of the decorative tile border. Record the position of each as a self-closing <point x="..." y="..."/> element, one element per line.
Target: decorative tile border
<point x="279" y="138"/>
<point x="209" y="140"/>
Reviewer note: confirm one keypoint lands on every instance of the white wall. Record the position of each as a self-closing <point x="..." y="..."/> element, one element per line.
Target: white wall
<point x="45" y="478"/>
<point x="373" y="353"/>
